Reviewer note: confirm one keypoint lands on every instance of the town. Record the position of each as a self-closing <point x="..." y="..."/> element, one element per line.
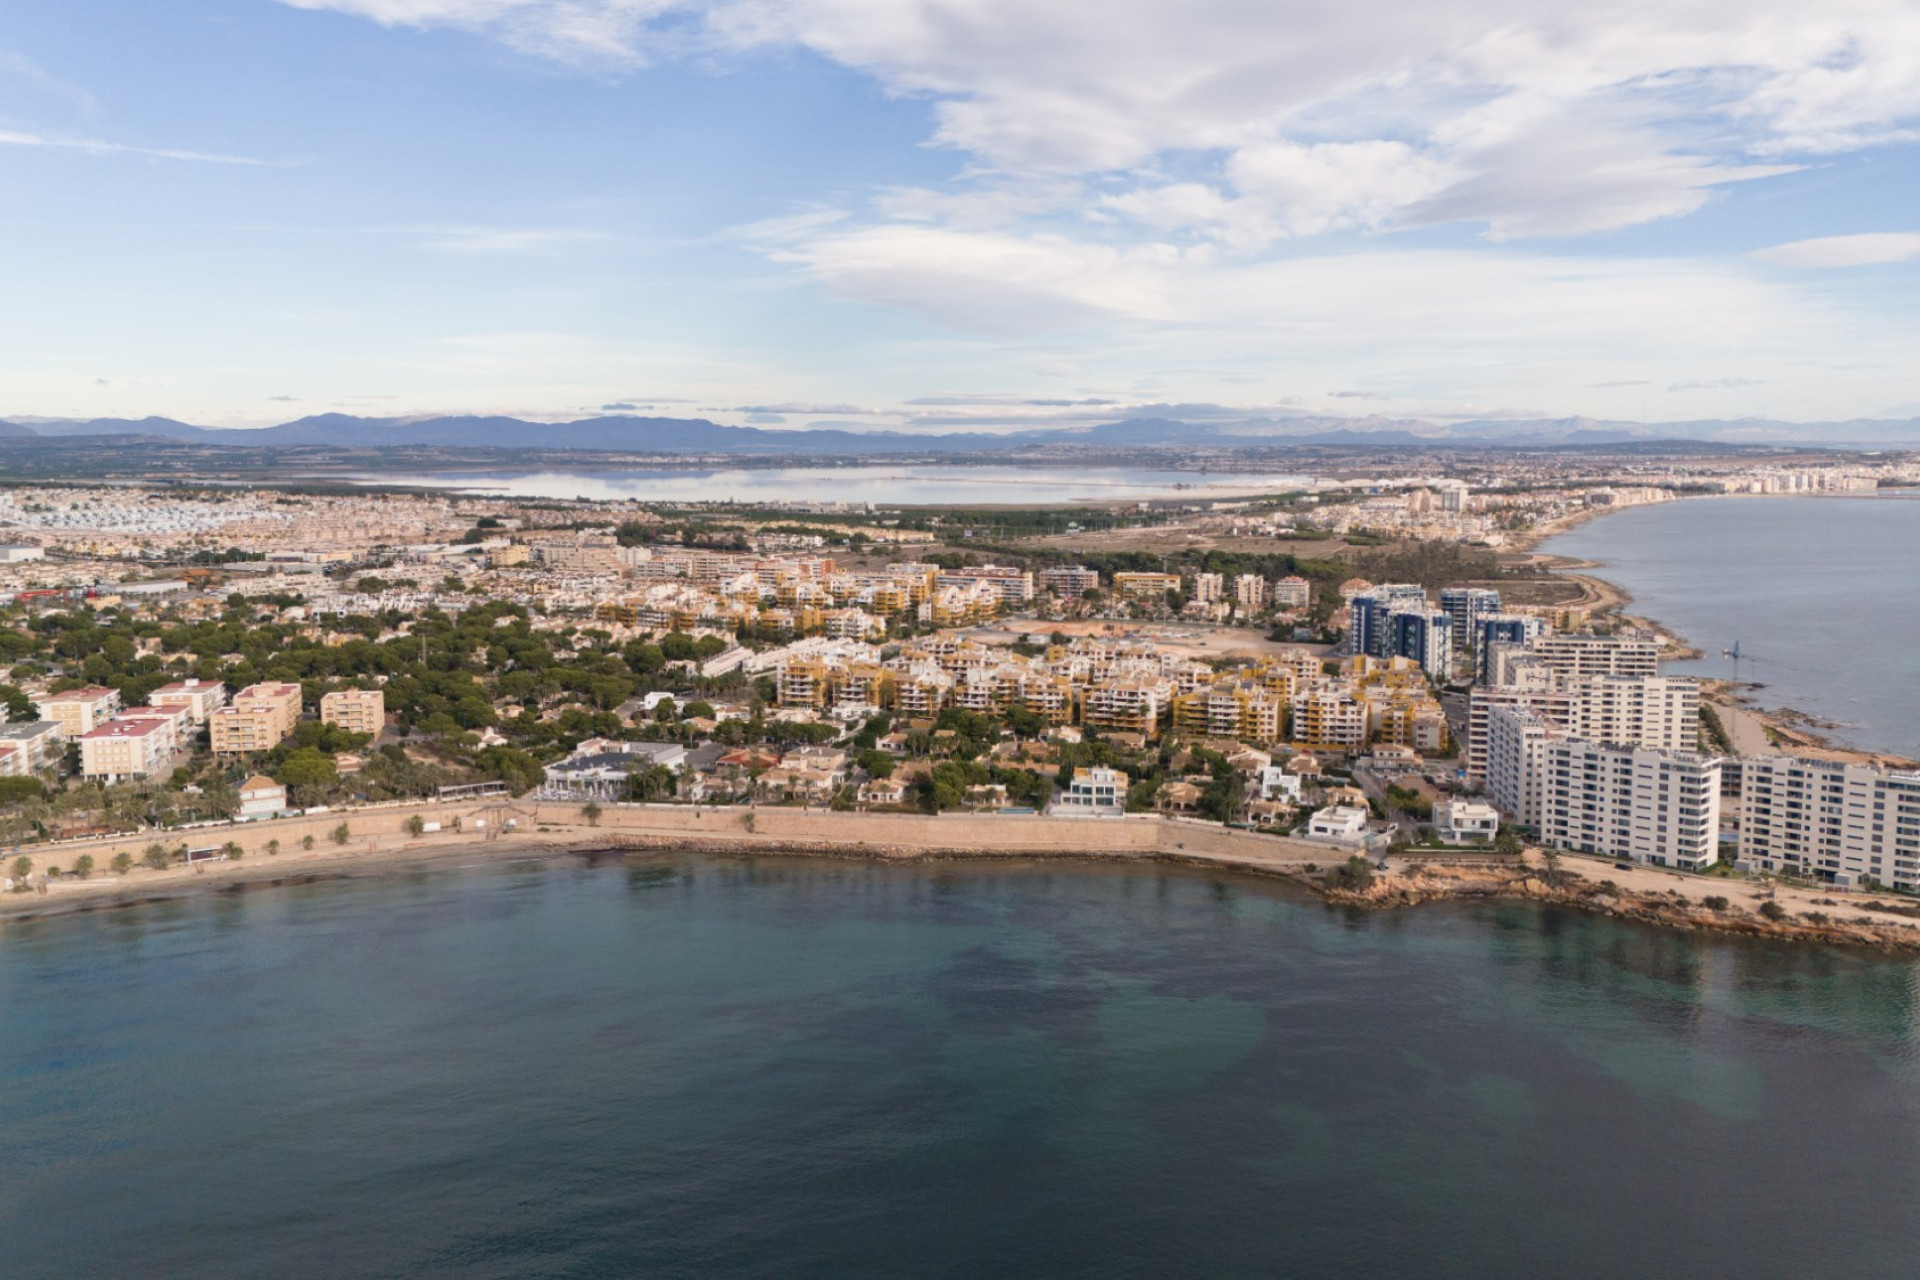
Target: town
<point x="182" y="658"/>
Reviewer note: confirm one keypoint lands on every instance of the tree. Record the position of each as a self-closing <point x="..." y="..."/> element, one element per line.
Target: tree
<point x="306" y="841"/>
<point x="308" y="771"/>
<point x="233" y="851"/>
<point x="877" y="764"/>
<point x="22" y="867"/>
<point x="340" y="834"/>
<point x="416" y="824"/>
<point x="1507" y="842"/>
<point x="156" y="857"/>
<point x="591" y="812"/>
<point x="83" y="865"/>
<point x="122" y="862"/>
<point x="273" y="847"/>
<point x="19" y="706"/>
<point x="1355" y="873"/>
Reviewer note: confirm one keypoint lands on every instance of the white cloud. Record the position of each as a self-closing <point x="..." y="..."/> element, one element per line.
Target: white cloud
<point x="98" y="147"/>
<point x="1846" y="251"/>
<point x="1293" y="117"/>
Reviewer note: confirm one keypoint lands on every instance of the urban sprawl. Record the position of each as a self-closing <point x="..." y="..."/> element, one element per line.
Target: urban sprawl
<point x="184" y="661"/>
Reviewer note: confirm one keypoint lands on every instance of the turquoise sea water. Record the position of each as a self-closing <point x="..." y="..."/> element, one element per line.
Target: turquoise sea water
<point x="694" y="1067"/>
<point x="1822" y="594"/>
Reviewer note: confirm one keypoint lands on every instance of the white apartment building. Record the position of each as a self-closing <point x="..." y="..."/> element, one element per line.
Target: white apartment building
<point x="200" y="698"/>
<point x="30" y="746"/>
<point x="1209" y="588"/>
<point x="1662" y="712"/>
<point x="1642" y="711"/>
<point x="79" y="711"/>
<point x="1515" y="761"/>
<point x="1292" y="592"/>
<point x="1656" y="807"/>
<point x="1843" y="823"/>
<point x="128" y="747"/>
<point x="1573" y="654"/>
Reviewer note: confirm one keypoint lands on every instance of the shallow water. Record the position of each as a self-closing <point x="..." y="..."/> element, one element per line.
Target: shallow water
<point x="741" y="1067"/>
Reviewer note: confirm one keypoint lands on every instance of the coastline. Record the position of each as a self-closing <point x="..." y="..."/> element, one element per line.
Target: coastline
<point x="1668" y="899"/>
<point x="1753" y="730"/>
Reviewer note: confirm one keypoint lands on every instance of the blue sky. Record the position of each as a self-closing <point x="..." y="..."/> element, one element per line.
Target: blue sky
<point x="942" y="213"/>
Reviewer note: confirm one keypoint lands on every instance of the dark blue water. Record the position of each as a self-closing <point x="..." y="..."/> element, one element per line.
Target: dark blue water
<point x="786" y="1068"/>
<point x="1822" y="594"/>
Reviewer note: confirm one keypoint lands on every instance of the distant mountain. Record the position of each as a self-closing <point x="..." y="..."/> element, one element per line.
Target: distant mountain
<point x="625" y="433"/>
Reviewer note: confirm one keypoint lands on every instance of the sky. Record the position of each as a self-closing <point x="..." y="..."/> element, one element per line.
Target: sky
<point x="946" y="214"/>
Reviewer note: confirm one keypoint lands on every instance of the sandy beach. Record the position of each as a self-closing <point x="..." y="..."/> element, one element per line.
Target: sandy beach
<point x="1647" y="894"/>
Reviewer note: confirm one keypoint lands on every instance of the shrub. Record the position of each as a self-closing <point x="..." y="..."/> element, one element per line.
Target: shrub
<point x="1355" y="873"/>
<point x="1714" y="903"/>
<point x="1818" y="917"/>
<point x="273" y="847"/>
<point x="340" y="834"/>
<point x="233" y="851"/>
<point x="83" y="865"/>
<point x="1773" y="910"/>
<point x="122" y="862"/>
<point x="306" y="842"/>
<point x="591" y="812"/>
<point x="22" y="867"/>
<point x="156" y="857"/>
<point x="416" y="824"/>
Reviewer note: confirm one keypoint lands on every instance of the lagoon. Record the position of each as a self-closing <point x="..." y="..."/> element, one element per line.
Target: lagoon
<point x="883" y="485"/>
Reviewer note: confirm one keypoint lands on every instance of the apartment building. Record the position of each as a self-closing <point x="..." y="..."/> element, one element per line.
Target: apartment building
<point x="28" y="746"/>
<point x="79" y="711"/>
<point x="1292" y="592"/>
<point x="1425" y="637"/>
<point x="1576" y="654"/>
<point x="1657" y="807"/>
<point x="1514" y="760"/>
<point x="1369" y="629"/>
<point x="200" y="698"/>
<point x="1465" y="607"/>
<point x="1209" y="588"/>
<point x="1843" y="823"/>
<point x="1069" y="581"/>
<point x="1145" y="586"/>
<point x="1662" y="712"/>
<point x="1329" y="717"/>
<point x="1243" y="710"/>
<point x="1250" y="592"/>
<point x="259" y="716"/>
<point x="1128" y="706"/>
<point x="1643" y="711"/>
<point x="1010" y="585"/>
<point x="355" y="710"/>
<point x="128" y="747"/>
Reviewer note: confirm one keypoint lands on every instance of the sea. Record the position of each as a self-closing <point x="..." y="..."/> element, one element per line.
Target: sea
<point x="708" y="1067"/>
<point x="881" y="485"/>
<point x="1822" y="596"/>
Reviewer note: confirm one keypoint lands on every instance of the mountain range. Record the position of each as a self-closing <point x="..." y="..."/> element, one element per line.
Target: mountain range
<point x="633" y="434"/>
